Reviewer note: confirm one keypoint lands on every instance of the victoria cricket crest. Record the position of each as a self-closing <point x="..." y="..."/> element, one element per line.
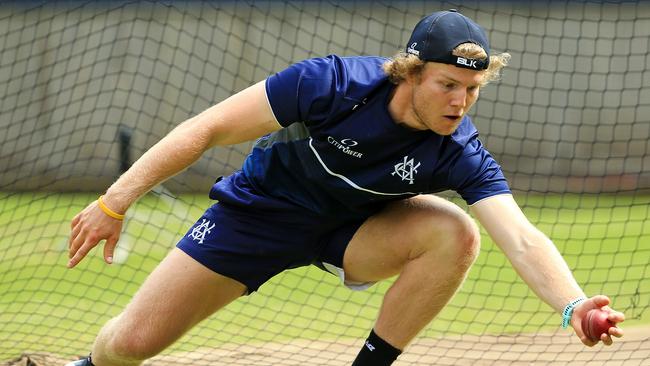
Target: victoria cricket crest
<point x="198" y="232"/>
<point x="406" y="169"/>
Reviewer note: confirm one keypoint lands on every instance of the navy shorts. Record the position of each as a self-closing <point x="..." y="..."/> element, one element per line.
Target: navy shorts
<point x="251" y="238"/>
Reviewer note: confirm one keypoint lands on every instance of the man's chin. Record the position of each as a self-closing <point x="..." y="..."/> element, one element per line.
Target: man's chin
<point x="446" y="131"/>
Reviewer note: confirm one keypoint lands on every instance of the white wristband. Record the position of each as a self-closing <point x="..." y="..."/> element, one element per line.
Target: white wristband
<point x="568" y="311"/>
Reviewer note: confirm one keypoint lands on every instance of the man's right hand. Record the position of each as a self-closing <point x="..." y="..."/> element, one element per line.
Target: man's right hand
<point x="88" y="228"/>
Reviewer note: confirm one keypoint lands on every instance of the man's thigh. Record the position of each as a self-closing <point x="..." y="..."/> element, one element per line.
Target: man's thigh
<point x="400" y="232"/>
<point x="177" y="295"/>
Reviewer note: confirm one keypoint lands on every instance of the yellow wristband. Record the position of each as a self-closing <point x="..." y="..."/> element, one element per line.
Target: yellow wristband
<point x="108" y="211"/>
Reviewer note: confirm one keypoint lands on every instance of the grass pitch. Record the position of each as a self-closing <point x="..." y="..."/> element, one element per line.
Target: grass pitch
<point x="46" y="307"/>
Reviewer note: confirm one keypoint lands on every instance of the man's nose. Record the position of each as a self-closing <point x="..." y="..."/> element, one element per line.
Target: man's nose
<point x="459" y="98"/>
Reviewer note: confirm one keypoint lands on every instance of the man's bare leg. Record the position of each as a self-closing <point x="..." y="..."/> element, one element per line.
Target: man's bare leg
<point x="431" y="243"/>
<point x="177" y="295"/>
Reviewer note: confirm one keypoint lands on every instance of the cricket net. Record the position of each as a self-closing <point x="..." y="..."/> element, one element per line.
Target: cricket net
<point x="87" y="87"/>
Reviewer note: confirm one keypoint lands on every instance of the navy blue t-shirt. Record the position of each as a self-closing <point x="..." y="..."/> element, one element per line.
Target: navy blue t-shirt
<point x="342" y="155"/>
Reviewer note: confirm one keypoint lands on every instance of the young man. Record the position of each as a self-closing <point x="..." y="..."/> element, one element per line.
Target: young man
<point x="351" y="150"/>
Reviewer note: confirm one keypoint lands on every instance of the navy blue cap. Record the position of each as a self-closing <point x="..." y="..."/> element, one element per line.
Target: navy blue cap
<point x="436" y="36"/>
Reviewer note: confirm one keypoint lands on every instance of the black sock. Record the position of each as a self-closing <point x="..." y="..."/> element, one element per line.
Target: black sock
<point x="376" y="352"/>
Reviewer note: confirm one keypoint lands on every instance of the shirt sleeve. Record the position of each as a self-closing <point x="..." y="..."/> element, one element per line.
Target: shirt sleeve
<point x="476" y="175"/>
<point x="307" y="91"/>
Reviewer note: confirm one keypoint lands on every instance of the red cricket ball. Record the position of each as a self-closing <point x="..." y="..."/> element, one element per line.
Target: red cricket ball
<point x="595" y="323"/>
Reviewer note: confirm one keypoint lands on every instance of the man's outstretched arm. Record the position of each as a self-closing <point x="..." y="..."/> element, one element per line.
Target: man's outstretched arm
<point x="242" y="117"/>
<point x="538" y="262"/>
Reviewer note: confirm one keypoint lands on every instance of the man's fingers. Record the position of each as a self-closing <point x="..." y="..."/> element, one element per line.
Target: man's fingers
<point x="79" y="255"/>
<point x="600" y="301"/>
<point x="607" y="340"/>
<point x="76" y="243"/>
<point x="75" y="221"/>
<point x="616" y="332"/>
<point x="109" y="249"/>
<point x="74" y="233"/>
<point x="75" y="228"/>
<point x="80" y="247"/>
<point x="588" y="342"/>
<point x="82" y="252"/>
<point x="616" y="316"/>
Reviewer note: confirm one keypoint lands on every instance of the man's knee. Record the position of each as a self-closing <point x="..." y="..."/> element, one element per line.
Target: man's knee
<point x="128" y="341"/>
<point x="469" y="241"/>
<point x="446" y="229"/>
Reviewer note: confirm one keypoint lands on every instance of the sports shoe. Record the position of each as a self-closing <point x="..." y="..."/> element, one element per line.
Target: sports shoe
<point x="86" y="361"/>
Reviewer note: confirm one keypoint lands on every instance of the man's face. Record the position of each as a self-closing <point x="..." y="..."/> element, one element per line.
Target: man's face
<point x="441" y="96"/>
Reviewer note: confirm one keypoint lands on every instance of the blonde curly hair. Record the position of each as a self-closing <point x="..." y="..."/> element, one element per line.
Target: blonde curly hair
<point x="403" y="64"/>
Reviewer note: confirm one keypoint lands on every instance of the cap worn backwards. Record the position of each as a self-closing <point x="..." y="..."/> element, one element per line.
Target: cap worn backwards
<point x="435" y="37"/>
